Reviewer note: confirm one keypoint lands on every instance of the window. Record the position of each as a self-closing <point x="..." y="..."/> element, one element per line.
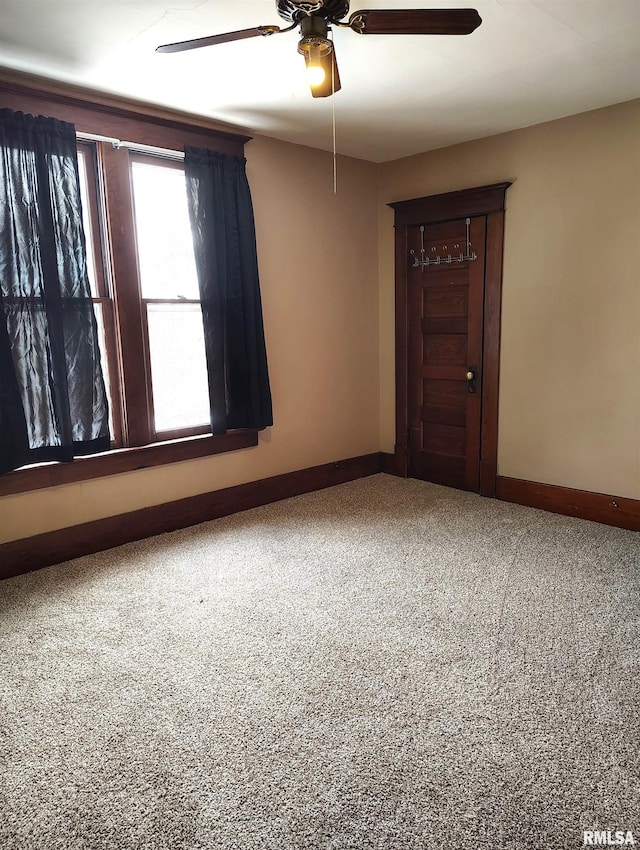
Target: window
<point x="171" y="314"/>
<point x="174" y="400"/>
<point x="144" y="289"/>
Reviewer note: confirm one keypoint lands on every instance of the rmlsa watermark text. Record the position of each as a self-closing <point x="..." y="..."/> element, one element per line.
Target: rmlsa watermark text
<point x="607" y="838"/>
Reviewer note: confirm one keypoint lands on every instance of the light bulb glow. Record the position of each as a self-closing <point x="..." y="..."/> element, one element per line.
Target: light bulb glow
<point x="316" y="50"/>
<point x="315" y="75"/>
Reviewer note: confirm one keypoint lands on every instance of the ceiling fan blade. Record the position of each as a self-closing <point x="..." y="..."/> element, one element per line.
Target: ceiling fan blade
<point x="178" y="46"/>
<point x="415" y="21"/>
<point x="331" y="83"/>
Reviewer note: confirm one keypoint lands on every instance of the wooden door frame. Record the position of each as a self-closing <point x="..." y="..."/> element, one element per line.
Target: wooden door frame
<point x="488" y="201"/>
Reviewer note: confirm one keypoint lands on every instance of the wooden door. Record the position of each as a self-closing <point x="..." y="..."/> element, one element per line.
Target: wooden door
<point x="445" y="321"/>
<point x="448" y="324"/>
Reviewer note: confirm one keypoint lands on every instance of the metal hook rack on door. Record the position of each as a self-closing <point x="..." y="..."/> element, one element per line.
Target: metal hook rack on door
<point x="424" y="261"/>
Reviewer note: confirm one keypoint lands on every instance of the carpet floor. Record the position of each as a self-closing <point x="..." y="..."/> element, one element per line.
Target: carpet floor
<point x="383" y="665"/>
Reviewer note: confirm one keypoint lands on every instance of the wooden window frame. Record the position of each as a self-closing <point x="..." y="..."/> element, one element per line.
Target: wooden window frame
<point x="98" y="114"/>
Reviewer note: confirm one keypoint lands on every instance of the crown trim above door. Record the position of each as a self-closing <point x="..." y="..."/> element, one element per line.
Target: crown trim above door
<point x="485" y="206"/>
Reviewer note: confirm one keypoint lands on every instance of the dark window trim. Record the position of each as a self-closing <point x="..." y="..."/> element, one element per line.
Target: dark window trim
<point x="109" y="115"/>
<point x="123" y="460"/>
<point x="105" y="115"/>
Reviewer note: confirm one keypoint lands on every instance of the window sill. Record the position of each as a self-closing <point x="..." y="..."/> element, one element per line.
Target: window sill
<point x="123" y="460"/>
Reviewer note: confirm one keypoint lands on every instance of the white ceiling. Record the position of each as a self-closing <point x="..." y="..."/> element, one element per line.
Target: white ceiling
<point x="530" y="61"/>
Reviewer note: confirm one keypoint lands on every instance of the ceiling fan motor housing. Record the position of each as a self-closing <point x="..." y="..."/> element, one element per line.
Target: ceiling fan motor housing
<point x="314" y="37"/>
<point x="332" y="10"/>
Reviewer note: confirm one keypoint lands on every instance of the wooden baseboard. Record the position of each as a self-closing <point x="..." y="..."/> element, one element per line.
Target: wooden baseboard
<point x="53" y="547"/>
<point x="610" y="510"/>
<point x="42" y="550"/>
<point x="388" y="464"/>
<point x="488" y="476"/>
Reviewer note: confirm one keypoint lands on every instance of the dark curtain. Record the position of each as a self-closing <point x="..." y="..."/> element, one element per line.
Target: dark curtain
<point x="221" y="216"/>
<point x="53" y="404"/>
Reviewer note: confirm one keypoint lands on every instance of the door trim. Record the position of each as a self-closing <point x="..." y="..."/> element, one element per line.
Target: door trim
<point x="488" y="201"/>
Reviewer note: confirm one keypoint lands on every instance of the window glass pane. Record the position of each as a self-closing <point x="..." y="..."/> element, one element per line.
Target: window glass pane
<point x="178" y="366"/>
<point x="165" y="247"/>
<point x="97" y="309"/>
<point x="86" y="222"/>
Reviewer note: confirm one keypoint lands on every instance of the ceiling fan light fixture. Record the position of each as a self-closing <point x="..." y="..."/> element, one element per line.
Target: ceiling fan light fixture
<point x="315" y="61"/>
<point x="315" y="50"/>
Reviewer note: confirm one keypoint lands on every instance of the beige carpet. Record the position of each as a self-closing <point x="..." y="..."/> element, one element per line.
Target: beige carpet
<point x="384" y="665"/>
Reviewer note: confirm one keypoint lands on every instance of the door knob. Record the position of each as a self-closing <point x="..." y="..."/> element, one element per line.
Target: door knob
<point x="471" y="380"/>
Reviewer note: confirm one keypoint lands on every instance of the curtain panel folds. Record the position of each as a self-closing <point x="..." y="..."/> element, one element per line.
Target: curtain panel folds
<point x="53" y="403"/>
<point x="222" y="222"/>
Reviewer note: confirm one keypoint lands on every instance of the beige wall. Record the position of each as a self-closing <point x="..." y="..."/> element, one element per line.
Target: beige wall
<point x="570" y="358"/>
<point x="319" y="288"/>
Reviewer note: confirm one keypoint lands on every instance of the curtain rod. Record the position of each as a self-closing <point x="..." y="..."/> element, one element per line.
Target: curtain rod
<point x="134" y="146"/>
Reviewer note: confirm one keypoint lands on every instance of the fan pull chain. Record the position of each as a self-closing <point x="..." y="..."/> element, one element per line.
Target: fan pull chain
<point x="333" y="127"/>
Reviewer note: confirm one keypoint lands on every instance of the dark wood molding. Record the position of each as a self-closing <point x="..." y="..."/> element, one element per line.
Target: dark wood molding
<point x="27" y="554"/>
<point x="402" y="353"/>
<point x="123" y="460"/>
<point x="93" y="111"/>
<point x="388" y="464"/>
<point x="122" y="254"/>
<point x="486" y="201"/>
<point x="480" y="200"/>
<point x="491" y="353"/>
<point x="599" y="507"/>
<point x="42" y="550"/>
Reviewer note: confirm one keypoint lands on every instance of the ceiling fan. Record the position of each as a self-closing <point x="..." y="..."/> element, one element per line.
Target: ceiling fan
<point x="315" y="18"/>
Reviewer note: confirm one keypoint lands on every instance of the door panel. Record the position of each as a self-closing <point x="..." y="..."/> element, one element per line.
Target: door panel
<point x="445" y="317"/>
<point x="445" y="349"/>
<point x="450" y="301"/>
<point x="446" y="402"/>
<point x="443" y="439"/>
